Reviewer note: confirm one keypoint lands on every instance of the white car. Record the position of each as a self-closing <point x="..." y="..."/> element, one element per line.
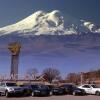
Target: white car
<point x="90" y="89"/>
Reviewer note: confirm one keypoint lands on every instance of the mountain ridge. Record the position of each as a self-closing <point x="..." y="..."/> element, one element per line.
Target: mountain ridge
<point x="51" y="23"/>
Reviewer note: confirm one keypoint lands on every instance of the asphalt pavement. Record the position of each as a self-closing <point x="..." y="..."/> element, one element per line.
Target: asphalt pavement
<point x="61" y="97"/>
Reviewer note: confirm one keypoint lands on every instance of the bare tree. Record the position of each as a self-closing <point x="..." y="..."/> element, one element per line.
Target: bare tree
<point x="32" y="73"/>
<point x="73" y="78"/>
<point x="50" y="74"/>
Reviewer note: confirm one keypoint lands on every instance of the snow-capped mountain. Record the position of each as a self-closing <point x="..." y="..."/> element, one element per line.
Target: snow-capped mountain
<point x="52" y="23"/>
<point x="51" y="34"/>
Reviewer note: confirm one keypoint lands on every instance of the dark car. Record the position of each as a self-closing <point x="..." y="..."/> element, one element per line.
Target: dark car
<point x="72" y="89"/>
<point x="0" y="93"/>
<point x="57" y="91"/>
<point x="26" y="89"/>
<point x="50" y="89"/>
<point x="50" y="86"/>
<point x="40" y="90"/>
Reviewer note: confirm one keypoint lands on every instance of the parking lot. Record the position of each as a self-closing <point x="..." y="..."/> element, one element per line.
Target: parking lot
<point x="61" y="97"/>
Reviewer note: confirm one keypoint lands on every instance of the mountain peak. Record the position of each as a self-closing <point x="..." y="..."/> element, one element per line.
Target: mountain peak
<point x="51" y="23"/>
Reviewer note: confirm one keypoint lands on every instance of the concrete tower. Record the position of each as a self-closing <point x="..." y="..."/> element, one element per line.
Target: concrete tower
<point x="15" y="50"/>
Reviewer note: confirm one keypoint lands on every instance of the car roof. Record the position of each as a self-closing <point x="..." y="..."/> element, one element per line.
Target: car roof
<point x="67" y="84"/>
<point x="86" y="84"/>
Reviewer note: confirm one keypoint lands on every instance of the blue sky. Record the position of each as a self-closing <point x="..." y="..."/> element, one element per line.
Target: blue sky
<point x="72" y="62"/>
<point x="15" y="10"/>
<point x="12" y="11"/>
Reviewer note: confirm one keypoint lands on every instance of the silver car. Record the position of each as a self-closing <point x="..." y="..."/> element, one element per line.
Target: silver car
<point x="9" y="88"/>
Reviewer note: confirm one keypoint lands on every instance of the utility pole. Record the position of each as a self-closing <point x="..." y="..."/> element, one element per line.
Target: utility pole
<point x="81" y="78"/>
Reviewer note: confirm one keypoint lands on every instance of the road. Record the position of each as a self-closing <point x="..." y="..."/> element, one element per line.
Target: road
<point x="63" y="97"/>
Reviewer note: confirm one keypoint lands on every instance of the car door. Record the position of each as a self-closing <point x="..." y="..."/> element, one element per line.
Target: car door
<point x="2" y="87"/>
<point x="87" y="89"/>
<point x="93" y="89"/>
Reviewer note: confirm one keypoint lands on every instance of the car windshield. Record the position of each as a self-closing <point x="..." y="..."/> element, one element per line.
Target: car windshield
<point x="70" y="86"/>
<point x="94" y="86"/>
<point x="50" y="86"/>
<point x="11" y="84"/>
<point x="43" y="86"/>
<point x="74" y="87"/>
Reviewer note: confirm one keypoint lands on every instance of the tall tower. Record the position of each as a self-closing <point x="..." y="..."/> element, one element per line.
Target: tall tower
<point x="14" y="48"/>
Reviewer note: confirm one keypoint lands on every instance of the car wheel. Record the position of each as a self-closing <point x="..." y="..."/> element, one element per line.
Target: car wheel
<point x="32" y="94"/>
<point x="74" y="93"/>
<point x="7" y="94"/>
<point x="97" y="93"/>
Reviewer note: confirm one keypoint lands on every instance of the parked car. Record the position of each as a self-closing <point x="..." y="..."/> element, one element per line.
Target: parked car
<point x="57" y="91"/>
<point x="40" y="90"/>
<point x="72" y="89"/>
<point x="50" y="89"/>
<point x="90" y="89"/>
<point x="0" y="93"/>
<point x="9" y="88"/>
<point x="50" y="86"/>
<point x="26" y="89"/>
